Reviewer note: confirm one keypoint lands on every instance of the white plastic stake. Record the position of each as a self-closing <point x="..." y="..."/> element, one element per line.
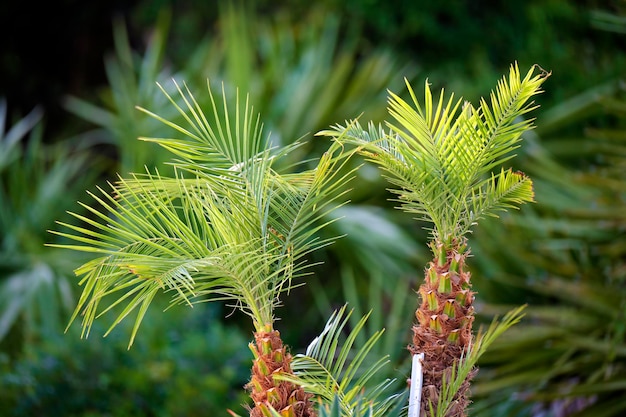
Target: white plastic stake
<point x="415" y="392"/>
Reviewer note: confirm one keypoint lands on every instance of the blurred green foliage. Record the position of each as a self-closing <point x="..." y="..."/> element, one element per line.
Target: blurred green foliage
<point x="184" y="367"/>
<point x="38" y="182"/>
<point x="306" y="67"/>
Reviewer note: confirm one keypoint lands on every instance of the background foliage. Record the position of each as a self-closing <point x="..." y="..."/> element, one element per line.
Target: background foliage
<point x="306" y="67"/>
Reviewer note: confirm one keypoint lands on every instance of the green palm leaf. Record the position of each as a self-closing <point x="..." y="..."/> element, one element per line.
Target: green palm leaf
<point x="341" y="376"/>
<point x="437" y="155"/>
<point x="212" y="141"/>
<point x="227" y="226"/>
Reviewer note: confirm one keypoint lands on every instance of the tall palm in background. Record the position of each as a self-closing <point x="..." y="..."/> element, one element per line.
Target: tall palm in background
<point x="232" y="224"/>
<point x="440" y="158"/>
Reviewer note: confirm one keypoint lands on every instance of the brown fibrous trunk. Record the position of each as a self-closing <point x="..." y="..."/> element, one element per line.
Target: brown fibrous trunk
<point x="272" y="359"/>
<point x="443" y="332"/>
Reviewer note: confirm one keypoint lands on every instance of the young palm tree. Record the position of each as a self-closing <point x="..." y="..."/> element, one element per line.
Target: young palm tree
<point x="440" y="158"/>
<point x="231" y="225"/>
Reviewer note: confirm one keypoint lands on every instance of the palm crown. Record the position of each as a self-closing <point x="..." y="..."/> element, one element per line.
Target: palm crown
<point x="229" y="225"/>
<point x="439" y="156"/>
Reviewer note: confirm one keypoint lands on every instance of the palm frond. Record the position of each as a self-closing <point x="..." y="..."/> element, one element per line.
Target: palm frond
<point x="212" y="141"/>
<point x="152" y="242"/>
<point x="438" y="153"/>
<point x="498" y="125"/>
<point x="362" y="408"/>
<point x="303" y="201"/>
<point x="267" y="408"/>
<point x="505" y="190"/>
<point x="236" y="230"/>
<point x="333" y="371"/>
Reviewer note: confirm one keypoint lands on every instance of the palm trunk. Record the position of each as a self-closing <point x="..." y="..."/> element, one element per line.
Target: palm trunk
<point x="444" y="329"/>
<point x="272" y="358"/>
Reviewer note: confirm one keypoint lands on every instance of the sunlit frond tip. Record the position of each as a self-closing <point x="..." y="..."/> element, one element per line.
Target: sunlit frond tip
<point x="219" y="135"/>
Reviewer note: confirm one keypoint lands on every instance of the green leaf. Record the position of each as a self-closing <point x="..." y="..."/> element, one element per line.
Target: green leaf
<point x="340" y="375"/>
<point x="226" y="226"/>
<point x="437" y="154"/>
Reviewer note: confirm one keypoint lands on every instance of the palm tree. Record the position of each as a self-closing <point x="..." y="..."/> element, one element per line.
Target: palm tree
<point x="232" y="224"/>
<point x="440" y="159"/>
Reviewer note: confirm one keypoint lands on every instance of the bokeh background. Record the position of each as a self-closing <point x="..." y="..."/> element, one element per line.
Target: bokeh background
<point x="71" y="74"/>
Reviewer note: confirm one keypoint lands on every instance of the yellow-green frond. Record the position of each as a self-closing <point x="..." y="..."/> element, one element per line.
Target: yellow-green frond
<point x="439" y="153"/>
<point x="220" y="139"/>
<point x="503" y="191"/>
<point x="335" y="371"/>
<point x="226" y="226"/>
